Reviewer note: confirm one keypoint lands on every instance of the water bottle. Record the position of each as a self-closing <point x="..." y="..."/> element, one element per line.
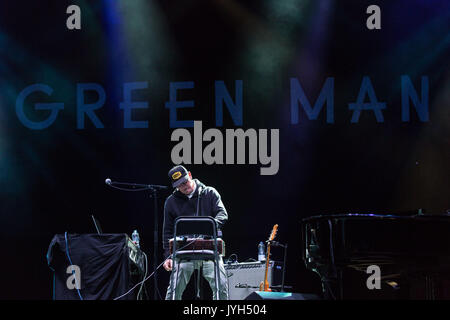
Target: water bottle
<point x="135" y="238"/>
<point x="261" y="254"/>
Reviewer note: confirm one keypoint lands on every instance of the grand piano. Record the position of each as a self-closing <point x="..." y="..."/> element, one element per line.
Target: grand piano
<point x="411" y="251"/>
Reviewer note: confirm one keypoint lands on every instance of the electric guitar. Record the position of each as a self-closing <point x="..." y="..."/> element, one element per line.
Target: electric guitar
<point x="264" y="285"/>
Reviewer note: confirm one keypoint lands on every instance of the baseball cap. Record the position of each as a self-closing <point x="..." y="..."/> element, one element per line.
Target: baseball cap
<point x="178" y="175"/>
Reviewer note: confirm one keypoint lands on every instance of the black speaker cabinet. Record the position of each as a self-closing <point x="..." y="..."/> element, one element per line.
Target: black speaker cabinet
<point x="244" y="278"/>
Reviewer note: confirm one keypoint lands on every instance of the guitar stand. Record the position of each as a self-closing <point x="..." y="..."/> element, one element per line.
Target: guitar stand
<point x="199" y="283"/>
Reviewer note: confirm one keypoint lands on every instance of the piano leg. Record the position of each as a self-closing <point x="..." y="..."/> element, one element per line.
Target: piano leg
<point x="332" y="286"/>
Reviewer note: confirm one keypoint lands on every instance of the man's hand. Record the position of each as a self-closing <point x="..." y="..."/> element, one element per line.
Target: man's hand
<point x="168" y="265"/>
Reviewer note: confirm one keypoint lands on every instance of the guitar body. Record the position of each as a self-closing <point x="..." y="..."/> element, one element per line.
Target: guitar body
<point x="264" y="285"/>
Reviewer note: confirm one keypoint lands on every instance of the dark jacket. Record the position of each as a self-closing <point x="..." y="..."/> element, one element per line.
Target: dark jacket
<point x="178" y="204"/>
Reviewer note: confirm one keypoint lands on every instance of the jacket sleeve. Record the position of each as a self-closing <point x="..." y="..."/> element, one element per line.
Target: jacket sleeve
<point x="167" y="228"/>
<point x="219" y="212"/>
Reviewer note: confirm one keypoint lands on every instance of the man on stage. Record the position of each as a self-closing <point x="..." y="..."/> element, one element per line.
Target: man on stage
<point x="192" y="198"/>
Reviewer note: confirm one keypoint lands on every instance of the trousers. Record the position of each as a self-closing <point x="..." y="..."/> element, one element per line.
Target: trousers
<point x="182" y="272"/>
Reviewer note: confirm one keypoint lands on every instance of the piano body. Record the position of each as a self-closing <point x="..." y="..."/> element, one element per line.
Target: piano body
<point x="405" y="248"/>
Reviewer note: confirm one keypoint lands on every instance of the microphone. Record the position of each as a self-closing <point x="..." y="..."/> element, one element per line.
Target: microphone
<point x="108" y="181"/>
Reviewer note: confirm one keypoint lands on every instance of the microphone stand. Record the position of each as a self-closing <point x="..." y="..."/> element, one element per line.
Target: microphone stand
<point x="154" y="188"/>
<point x="284" y="246"/>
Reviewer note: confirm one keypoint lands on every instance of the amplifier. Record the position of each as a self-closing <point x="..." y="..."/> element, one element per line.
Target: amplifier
<point x="245" y="277"/>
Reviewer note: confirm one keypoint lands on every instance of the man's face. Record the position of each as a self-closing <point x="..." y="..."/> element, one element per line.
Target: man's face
<point x="188" y="186"/>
